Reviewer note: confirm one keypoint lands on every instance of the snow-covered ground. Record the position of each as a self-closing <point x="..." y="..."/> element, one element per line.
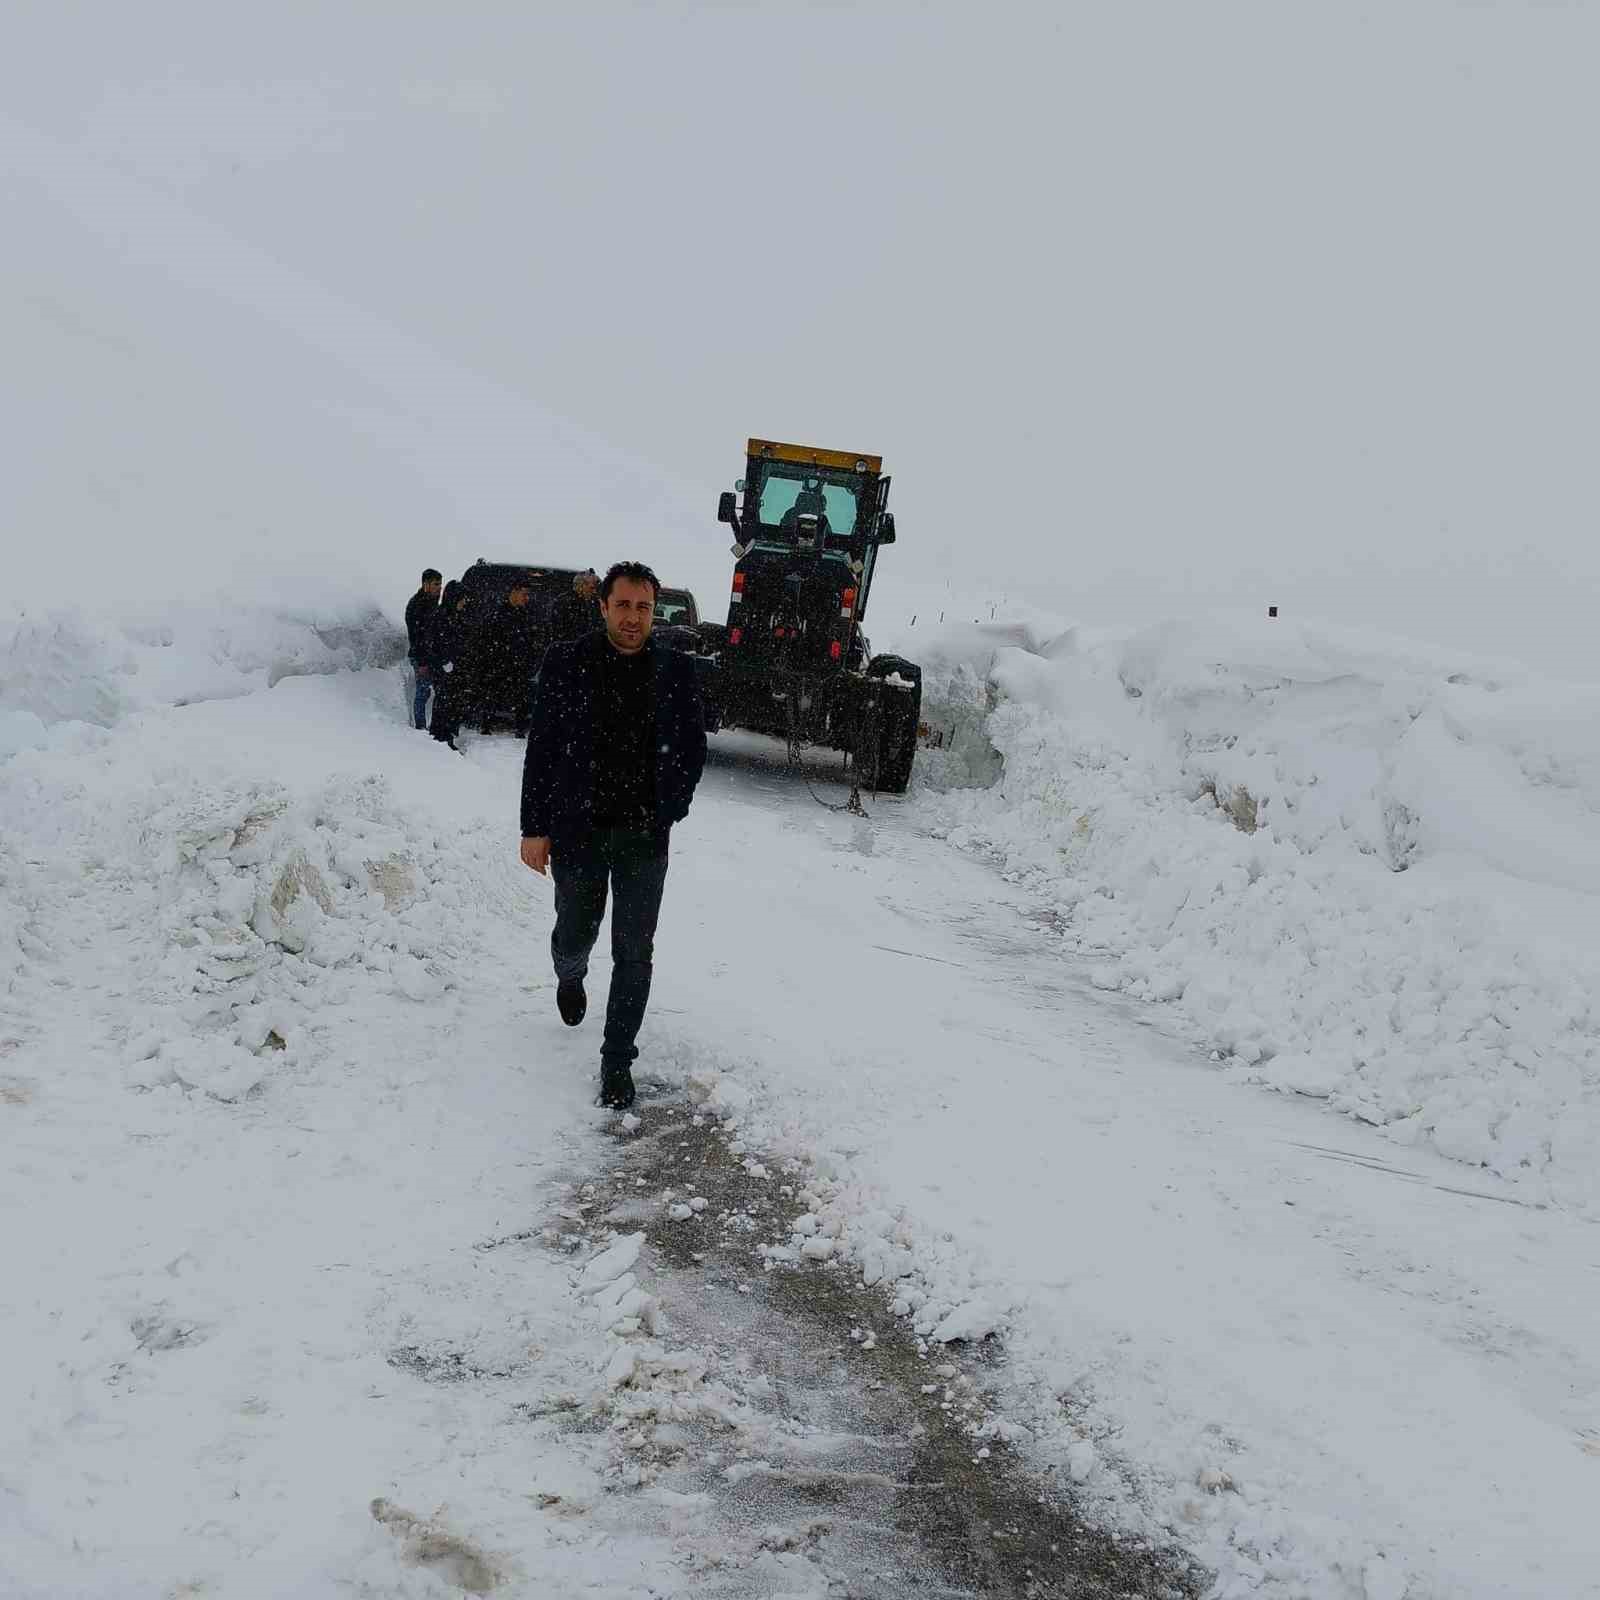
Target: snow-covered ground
<point x="279" y="1057"/>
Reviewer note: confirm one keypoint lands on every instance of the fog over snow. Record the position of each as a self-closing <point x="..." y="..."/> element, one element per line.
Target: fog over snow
<point x="1150" y="309"/>
<point x="1216" y="1020"/>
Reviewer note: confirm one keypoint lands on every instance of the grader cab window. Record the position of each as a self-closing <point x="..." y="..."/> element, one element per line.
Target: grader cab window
<point x="790" y="493"/>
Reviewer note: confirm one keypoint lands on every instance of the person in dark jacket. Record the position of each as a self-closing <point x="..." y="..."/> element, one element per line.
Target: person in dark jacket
<point x="420" y="611"/>
<point x="506" y="658"/>
<point x="577" y="613"/>
<point x="617" y="747"/>
<point x="446" y="654"/>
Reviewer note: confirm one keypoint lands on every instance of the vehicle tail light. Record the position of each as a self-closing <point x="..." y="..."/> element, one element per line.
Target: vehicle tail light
<point x="847" y="604"/>
<point x="836" y="650"/>
<point x="735" y="635"/>
<point x="738" y="588"/>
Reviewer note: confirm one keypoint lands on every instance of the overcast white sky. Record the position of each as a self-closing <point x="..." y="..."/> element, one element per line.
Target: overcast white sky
<point x="1150" y="307"/>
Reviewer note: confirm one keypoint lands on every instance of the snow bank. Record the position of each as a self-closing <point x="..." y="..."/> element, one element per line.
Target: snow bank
<point x="249" y="905"/>
<point x="71" y="666"/>
<point x="242" y="883"/>
<point x="1359" y="870"/>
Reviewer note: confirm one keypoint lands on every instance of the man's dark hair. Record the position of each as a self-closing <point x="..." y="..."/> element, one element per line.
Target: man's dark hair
<point x="634" y="572"/>
<point x="432" y="575"/>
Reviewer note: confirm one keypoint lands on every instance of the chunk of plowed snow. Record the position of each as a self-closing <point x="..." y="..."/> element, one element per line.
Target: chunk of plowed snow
<point x="973" y="1321"/>
<point x="611" y="1263"/>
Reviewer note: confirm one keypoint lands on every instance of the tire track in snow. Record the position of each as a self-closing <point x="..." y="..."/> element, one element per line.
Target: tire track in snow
<point x="791" y="1418"/>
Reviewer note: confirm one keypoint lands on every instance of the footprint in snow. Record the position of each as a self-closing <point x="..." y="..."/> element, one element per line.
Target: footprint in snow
<point x="428" y="1543"/>
<point x="158" y="1331"/>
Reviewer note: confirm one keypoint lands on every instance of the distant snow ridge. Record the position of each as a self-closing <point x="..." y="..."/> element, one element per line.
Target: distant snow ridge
<point x="66" y="666"/>
<point x="1361" y="872"/>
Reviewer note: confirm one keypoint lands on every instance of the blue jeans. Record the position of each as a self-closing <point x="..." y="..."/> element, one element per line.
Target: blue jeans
<point x="634" y="861"/>
<point x="419" y="699"/>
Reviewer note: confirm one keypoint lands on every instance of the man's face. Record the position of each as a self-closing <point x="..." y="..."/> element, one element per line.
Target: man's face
<point x="629" y="614"/>
<point x="519" y="597"/>
<point x="431" y="588"/>
<point x="587" y="586"/>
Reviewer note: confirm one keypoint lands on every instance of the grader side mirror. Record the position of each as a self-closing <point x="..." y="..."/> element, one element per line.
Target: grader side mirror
<point x="886" y="528"/>
<point x="726" y="511"/>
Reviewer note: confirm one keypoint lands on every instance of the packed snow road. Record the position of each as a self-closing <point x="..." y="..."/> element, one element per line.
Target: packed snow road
<point x="299" y="1149"/>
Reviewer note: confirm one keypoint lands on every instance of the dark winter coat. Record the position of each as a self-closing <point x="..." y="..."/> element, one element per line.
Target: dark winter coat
<point x="420" y="611"/>
<point x="506" y="655"/>
<point x="559" y="771"/>
<point x="446" y="639"/>
<point x="572" y="616"/>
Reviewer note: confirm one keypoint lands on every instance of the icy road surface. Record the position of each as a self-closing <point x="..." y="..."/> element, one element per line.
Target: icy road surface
<point x="280" y="1064"/>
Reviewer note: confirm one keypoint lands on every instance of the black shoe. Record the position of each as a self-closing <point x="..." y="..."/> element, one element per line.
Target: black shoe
<point x="571" y="1002"/>
<point x="616" y="1088"/>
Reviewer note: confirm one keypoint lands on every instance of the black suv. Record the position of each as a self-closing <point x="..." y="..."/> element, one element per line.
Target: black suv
<point x="678" y="625"/>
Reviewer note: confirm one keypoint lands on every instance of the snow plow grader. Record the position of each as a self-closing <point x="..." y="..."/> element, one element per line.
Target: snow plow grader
<point x="791" y="660"/>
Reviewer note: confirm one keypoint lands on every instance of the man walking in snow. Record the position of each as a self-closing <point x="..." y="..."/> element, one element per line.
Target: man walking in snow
<point x="421" y="609"/>
<point x="617" y="747"/>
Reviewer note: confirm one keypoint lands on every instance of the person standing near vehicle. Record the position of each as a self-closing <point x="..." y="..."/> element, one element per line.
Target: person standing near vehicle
<point x="506" y="659"/>
<point x="577" y="613"/>
<point x="617" y="747"/>
<point x="446" y="647"/>
<point x="421" y="609"/>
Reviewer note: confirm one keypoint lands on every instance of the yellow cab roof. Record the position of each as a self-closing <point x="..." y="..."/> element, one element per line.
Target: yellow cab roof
<point x="808" y="455"/>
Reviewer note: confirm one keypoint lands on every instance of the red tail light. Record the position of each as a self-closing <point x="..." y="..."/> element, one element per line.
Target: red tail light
<point x="835" y="649"/>
<point x="847" y="600"/>
<point x="735" y="635"/>
<point x="738" y="583"/>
